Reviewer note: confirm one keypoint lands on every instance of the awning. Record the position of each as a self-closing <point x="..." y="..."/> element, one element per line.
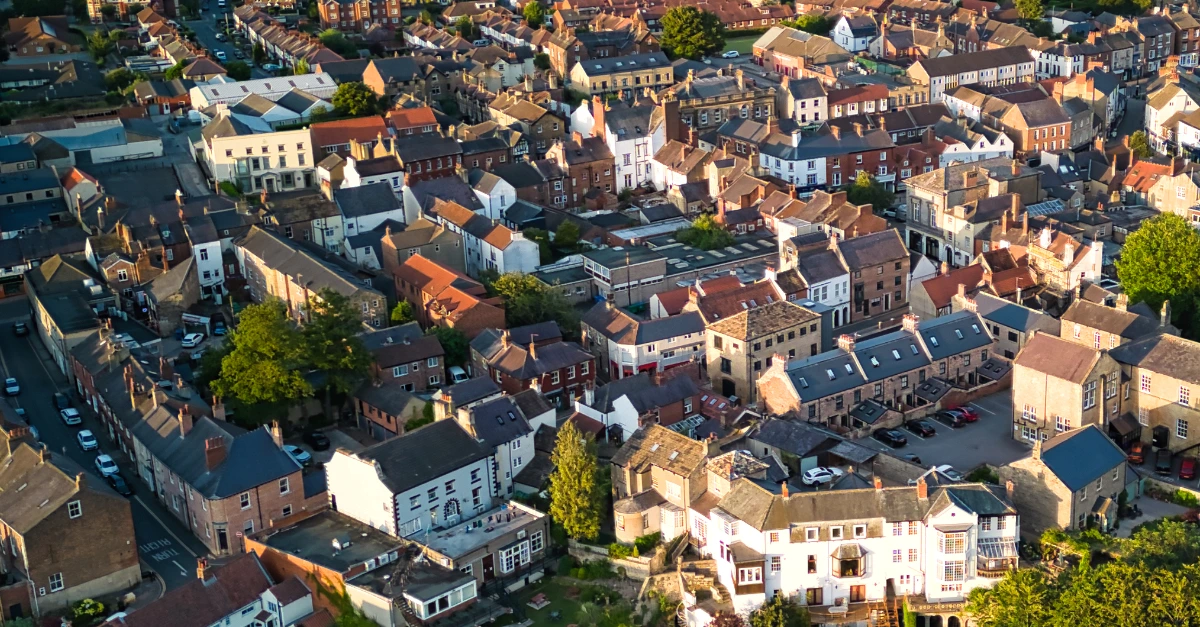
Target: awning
<point x="996" y="549"/>
<point x="954" y="528"/>
<point x="1125" y="425"/>
<point x="994" y="368"/>
<point x="847" y="552"/>
<point x="932" y="390"/>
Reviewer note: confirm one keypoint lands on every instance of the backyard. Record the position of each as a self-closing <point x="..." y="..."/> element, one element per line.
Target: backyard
<point x="742" y="43"/>
<point x="569" y="601"/>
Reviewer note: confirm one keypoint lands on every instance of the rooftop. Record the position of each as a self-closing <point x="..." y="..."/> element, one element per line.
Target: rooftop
<point x="465" y="538"/>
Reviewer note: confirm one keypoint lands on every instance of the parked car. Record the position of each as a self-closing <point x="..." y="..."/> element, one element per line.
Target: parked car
<point x="221" y="37"/>
<point x="457" y="375"/>
<point x="60" y="400"/>
<point x="86" y="440"/>
<point x="1162" y="462"/>
<point x="11" y="387"/>
<point x="271" y="67"/>
<point x="20" y="329"/>
<point x="301" y="456"/>
<point x="1137" y="453"/>
<point x="192" y="340"/>
<point x="732" y="54"/>
<point x="1187" y="468"/>
<point x="482" y="42"/>
<point x="890" y="437"/>
<point x="950" y="419"/>
<point x="819" y="475"/>
<point x="950" y="472"/>
<point x="238" y="54"/>
<point x="70" y="417"/>
<point x="968" y="414"/>
<point x="319" y="441"/>
<point x="106" y="466"/>
<point x="118" y="483"/>
<point x="916" y="459"/>
<point x="921" y="428"/>
<point x="220" y="55"/>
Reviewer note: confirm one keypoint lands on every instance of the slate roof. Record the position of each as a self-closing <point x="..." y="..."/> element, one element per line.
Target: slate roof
<point x="1174" y="356"/>
<point x="424" y="455"/>
<point x="953" y="334"/>
<point x="500" y="421"/>
<point x="517" y="361"/>
<point x="873" y="249"/>
<point x="285" y="256"/>
<point x="1014" y="316"/>
<point x="598" y="67"/>
<point x="1081" y="456"/>
<point x="199" y="603"/>
<point x="366" y="200"/>
<point x="643" y="393"/>
<point x="798" y="438"/>
<point x="891" y="354"/>
<point x="469" y="391"/>
<point x="975" y="61"/>
<point x="624" y="328"/>
<point x="391" y="399"/>
<point x="1126" y="324"/>
<point x="655" y="445"/>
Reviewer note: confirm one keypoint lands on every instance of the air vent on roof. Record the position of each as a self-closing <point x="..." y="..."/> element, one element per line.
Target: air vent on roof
<point x="896" y="354"/>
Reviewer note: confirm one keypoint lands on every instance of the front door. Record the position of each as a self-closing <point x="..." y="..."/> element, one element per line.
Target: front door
<point x="489" y="569"/>
<point x="858" y="594"/>
<point x="222" y="540"/>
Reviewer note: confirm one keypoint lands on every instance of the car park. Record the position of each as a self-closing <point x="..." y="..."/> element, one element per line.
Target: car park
<point x="11" y="387"/>
<point x="20" y="329"/>
<point x="301" y="456"/>
<point x="819" y="475"/>
<point x="457" y="375"/>
<point x="106" y="466"/>
<point x="319" y="441"/>
<point x="1137" y="453"/>
<point x="968" y="414"/>
<point x="732" y="54"/>
<point x="119" y="484"/>
<point x="1162" y="462"/>
<point x="70" y="417"/>
<point x="921" y="428"/>
<point x="1187" y="468"/>
<point x="890" y="437"/>
<point x="950" y="419"/>
<point x="192" y="340"/>
<point x="60" y="400"/>
<point x="87" y="441"/>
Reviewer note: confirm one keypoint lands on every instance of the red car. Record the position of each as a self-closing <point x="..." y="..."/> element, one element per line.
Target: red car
<point x="968" y="414"/>
<point x="1187" y="468"/>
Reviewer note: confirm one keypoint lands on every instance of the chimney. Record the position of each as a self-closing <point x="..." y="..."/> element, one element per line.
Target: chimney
<point x="110" y="202"/>
<point x="878" y="483"/>
<point x="1015" y="205"/>
<point x="922" y="489"/>
<point x="1165" y="317"/>
<point x="741" y="80"/>
<point x="910" y="322"/>
<point x="277" y="433"/>
<point x="218" y="408"/>
<point x="1069" y="254"/>
<point x="179" y="197"/>
<point x="505" y="338"/>
<point x="858" y="129"/>
<point x="201" y="568"/>
<point x="1008" y="490"/>
<point x="100" y="218"/>
<point x="970" y="178"/>
<point x="1003" y="223"/>
<point x="214" y="453"/>
<point x="1025" y="225"/>
<point x="1099" y="144"/>
<point x="185" y="420"/>
<point x="845" y="343"/>
<point x="79" y="480"/>
<point x="532" y="349"/>
<point x="783" y="489"/>
<point x="945" y="267"/>
<point x="264" y="196"/>
<point x="658" y="377"/>
<point x="589" y="394"/>
<point x="962" y="290"/>
<point x="835" y="130"/>
<point x="43" y="455"/>
<point x="1016" y="168"/>
<point x="1044" y="238"/>
<point x="165" y="370"/>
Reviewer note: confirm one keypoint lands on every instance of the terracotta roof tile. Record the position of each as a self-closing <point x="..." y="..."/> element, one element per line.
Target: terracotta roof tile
<point x="342" y="131"/>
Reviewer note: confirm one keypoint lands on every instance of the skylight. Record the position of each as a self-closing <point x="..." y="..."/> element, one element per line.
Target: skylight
<point x="831" y="375"/>
<point x="803" y="382"/>
<point x="914" y="349"/>
<point x="933" y="340"/>
<point x="673" y="455"/>
<point x="896" y="354"/>
<point x="958" y="333"/>
<point x="849" y="369"/>
<point x="874" y="362"/>
<point x="975" y="328"/>
<point x="654" y="448"/>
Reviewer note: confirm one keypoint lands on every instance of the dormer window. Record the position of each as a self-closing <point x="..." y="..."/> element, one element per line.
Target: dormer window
<point x="860" y="531"/>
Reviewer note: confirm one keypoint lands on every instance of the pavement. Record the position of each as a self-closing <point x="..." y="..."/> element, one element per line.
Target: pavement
<point x="206" y="35"/>
<point x="987" y="441"/>
<point x="165" y="544"/>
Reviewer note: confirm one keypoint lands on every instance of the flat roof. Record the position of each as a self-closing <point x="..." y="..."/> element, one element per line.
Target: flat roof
<point x="467" y="537"/>
<point x="653" y="230"/>
<point x="682" y="258"/>
<point x="619" y="256"/>
<point x="312" y="539"/>
<point x="573" y="274"/>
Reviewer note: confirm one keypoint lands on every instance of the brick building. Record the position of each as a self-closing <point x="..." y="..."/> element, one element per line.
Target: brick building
<point x="878" y="265"/>
<point x="740" y="347"/>
<point x="587" y="163"/>
<point x="406" y="357"/>
<point x="560" y="370"/>
<point x="446" y="297"/>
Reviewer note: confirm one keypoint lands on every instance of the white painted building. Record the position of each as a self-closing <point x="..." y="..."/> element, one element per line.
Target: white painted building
<point x="256" y="157"/>
<point x="488" y="245"/>
<point x="495" y="193"/>
<point x="318" y="84"/>
<point x="503" y="426"/>
<point x="1172" y="98"/>
<point x="854" y="33"/>
<point x="633" y="143"/>
<point x="370" y="171"/>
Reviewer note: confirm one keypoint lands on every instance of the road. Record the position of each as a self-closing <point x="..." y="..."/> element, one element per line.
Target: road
<point x="206" y="34"/>
<point x="164" y="544"/>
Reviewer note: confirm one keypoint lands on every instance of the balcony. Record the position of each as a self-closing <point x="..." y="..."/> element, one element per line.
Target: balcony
<point x="995" y="558"/>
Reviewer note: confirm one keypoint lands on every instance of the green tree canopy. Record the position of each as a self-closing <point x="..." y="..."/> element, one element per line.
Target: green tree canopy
<point x="527" y="300"/>
<point x="1140" y="145"/>
<point x="812" y="23"/>
<point x="403" y="313"/>
<point x="336" y="41"/>
<point x="574" y="499"/>
<point x="566" y="238"/>
<point x="356" y="99"/>
<point x="541" y="61"/>
<point x="1023" y="599"/>
<point x="466" y="28"/>
<point x="454" y="342"/>
<point x="267" y="361"/>
<point x="259" y="54"/>
<point x="705" y="233"/>
<point x="691" y="33"/>
<point x="332" y="345"/>
<point x="534" y="14"/>
<point x="1030" y="10"/>
<point x="780" y="611"/>
<point x="427" y="18"/>
<point x="238" y="70"/>
<point x="302" y="67"/>
<point x="175" y="71"/>
<point x="1161" y="261"/>
<point x="121" y="79"/>
<point x="865" y="190"/>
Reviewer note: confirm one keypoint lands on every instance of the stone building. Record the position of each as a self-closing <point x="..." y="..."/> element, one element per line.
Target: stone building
<point x="742" y="346"/>
<point x="1059" y="385"/>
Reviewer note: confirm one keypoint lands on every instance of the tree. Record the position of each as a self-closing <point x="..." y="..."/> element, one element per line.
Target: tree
<point x="109" y="11"/>
<point x="466" y="28"/>
<point x="534" y="14"/>
<point x="780" y="611"/>
<point x="454" y="342"/>
<point x="1030" y="10"/>
<point x="267" y="359"/>
<point x="1161" y="262"/>
<point x="135" y="8"/>
<point x="302" y="67"/>
<point x="175" y="71"/>
<point x="100" y="45"/>
<point x="238" y="70"/>
<point x="403" y="313"/>
<point x="332" y="345"/>
<point x="259" y="54"/>
<point x="336" y="41"/>
<point x="427" y="18"/>
<point x="1022" y="599"/>
<point x="1140" y="145"/>
<point x="566" y="238"/>
<point x="865" y="190"/>
<point x="119" y="79"/>
<point x="355" y="99"/>
<point x="705" y="233"/>
<point x="210" y="364"/>
<point x="527" y="300"/>
<point x="541" y="61"/>
<point x="812" y="23"/>
<point x="314" y="11"/>
<point x="574" y="499"/>
<point x="691" y="33"/>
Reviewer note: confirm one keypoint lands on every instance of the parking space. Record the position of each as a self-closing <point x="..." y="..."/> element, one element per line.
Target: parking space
<point x="984" y="442"/>
<point x="337" y="440"/>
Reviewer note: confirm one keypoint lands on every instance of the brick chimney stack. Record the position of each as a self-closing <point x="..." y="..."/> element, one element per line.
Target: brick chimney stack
<point x="214" y="453"/>
<point x="922" y="489"/>
<point x="277" y="433"/>
<point x="185" y="420"/>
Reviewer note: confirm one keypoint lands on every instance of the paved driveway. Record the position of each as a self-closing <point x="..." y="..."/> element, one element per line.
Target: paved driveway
<point x="986" y="441"/>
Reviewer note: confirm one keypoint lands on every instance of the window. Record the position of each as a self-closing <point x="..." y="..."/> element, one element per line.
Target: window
<point x="835" y="533"/>
<point x="431" y="494"/>
<point x="1185" y="395"/>
<point x="860" y="531"/>
<point x="952" y="543"/>
<point x="56" y="582"/>
<point x="432" y="362"/>
<point x="245" y="500"/>
<point x="122" y="275"/>
<point x="435" y="379"/>
<point x="811" y="534"/>
<point x="554" y="378"/>
<point x="400" y="371"/>
<point x="75" y="509"/>
<point x="583" y="368"/>
<point x="912" y="555"/>
<point x="1181" y="428"/>
<point x="476" y="499"/>
<point x="1143" y="417"/>
<point x="897" y="556"/>
<point x="536" y="542"/>
<point x="1089" y="395"/>
<point x="284" y="486"/>
<point x="749" y="575"/>
<point x="985" y="523"/>
<point x="514" y="556"/>
<point x="1062" y="424"/>
<point x="1145" y="383"/>
<point x="954" y="571"/>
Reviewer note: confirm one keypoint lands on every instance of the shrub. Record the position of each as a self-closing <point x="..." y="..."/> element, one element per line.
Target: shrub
<point x="1184" y="498"/>
<point x="596" y="569"/>
<point x="984" y="474"/>
<point x="565" y="564"/>
<point x="599" y="595"/>
<point x="647" y="542"/>
<point x="87" y="611"/>
<point x="619" y="551"/>
<point x="230" y="189"/>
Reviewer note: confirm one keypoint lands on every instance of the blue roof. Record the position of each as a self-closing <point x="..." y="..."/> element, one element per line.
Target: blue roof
<point x="831" y="372"/>
<point x="1014" y="316"/>
<point x="13" y="153"/>
<point x="253" y="460"/>
<point x="889" y="355"/>
<point x="953" y="334"/>
<point x="1082" y="456"/>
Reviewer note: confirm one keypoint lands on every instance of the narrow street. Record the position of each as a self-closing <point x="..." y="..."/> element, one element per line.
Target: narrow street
<point x="206" y="34"/>
<point x="164" y="544"/>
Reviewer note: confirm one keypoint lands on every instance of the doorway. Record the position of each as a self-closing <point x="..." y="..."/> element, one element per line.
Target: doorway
<point x="489" y="568"/>
<point x="222" y="540"/>
<point x="728" y="388"/>
<point x="858" y="594"/>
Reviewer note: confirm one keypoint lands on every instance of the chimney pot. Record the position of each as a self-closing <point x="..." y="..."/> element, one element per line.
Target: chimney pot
<point x="922" y="489"/>
<point x="878" y="483"/>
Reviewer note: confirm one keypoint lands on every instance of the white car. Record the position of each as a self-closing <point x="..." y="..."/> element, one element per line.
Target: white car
<point x="950" y="472"/>
<point x="87" y="441"/>
<point x="457" y="375"/>
<point x="106" y="466"/>
<point x="732" y="54"/>
<point x="301" y="456"/>
<point x="220" y="55"/>
<point x="71" y="417"/>
<point x="820" y="474"/>
<point x="271" y="67"/>
<point x="11" y="387"/>
<point x="192" y="340"/>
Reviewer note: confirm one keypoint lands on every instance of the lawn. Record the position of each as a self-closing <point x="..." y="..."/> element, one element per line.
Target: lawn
<point x="556" y="592"/>
<point x="742" y="44"/>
